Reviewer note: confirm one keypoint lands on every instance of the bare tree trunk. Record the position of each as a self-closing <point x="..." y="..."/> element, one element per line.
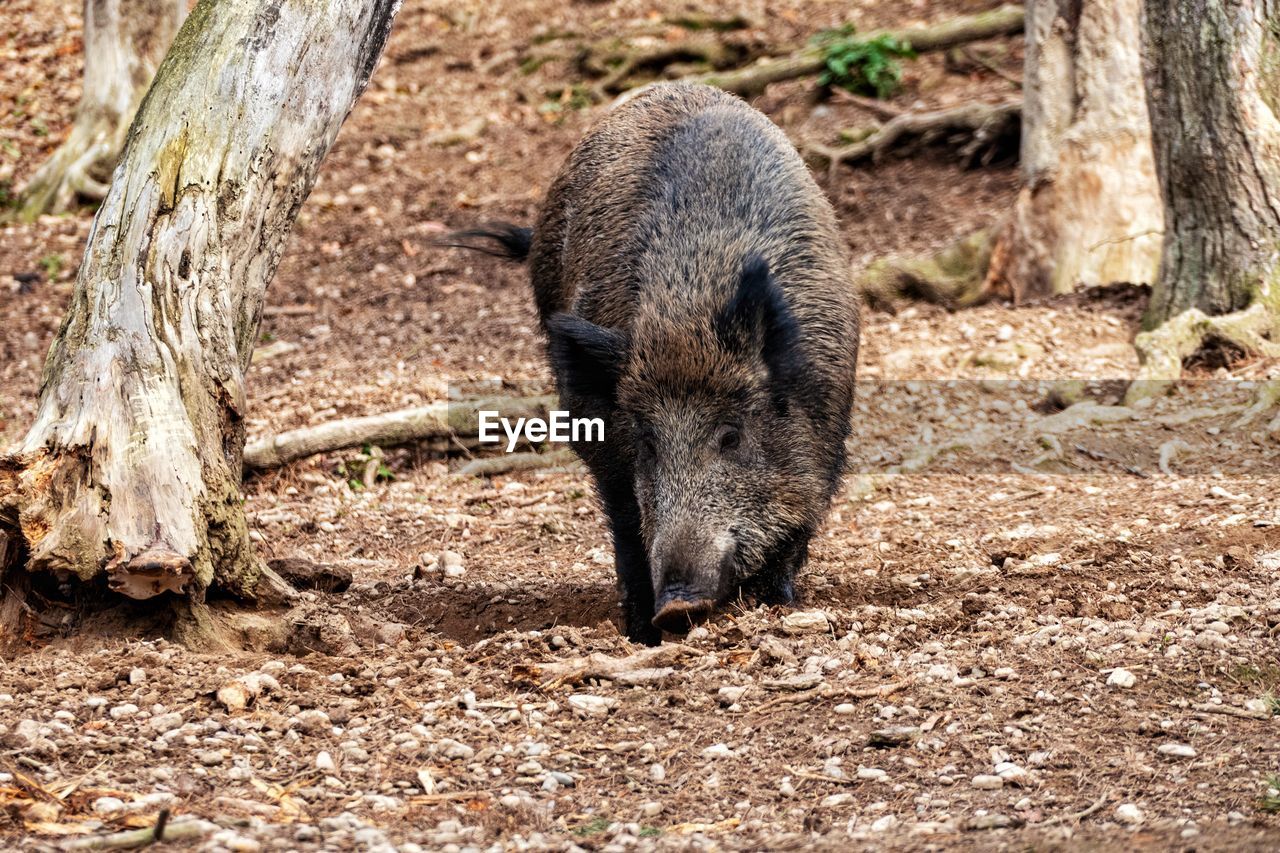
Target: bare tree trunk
<point x="1090" y="211"/>
<point x="1213" y="76"/>
<point x="132" y="467"/>
<point x="124" y="41"/>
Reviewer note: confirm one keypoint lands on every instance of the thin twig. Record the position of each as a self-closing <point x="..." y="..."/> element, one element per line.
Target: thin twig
<point x="142" y="837"/>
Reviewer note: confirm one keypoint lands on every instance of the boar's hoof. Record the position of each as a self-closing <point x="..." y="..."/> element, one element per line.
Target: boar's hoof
<point x="678" y="615"/>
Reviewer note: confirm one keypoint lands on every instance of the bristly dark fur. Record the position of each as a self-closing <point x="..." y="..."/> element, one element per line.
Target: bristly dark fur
<point x="500" y="239"/>
<point x="694" y="289"/>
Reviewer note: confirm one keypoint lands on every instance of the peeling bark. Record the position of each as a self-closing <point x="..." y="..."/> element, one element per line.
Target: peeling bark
<point x="1213" y="80"/>
<point x="1090" y="211"/>
<point x="124" y="42"/>
<point x="132" y="467"/>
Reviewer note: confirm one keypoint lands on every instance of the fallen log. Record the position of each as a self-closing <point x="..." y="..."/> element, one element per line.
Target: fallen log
<point x="752" y="79"/>
<point x="437" y="420"/>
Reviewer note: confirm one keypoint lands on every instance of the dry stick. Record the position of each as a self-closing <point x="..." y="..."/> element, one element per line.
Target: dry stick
<point x="508" y="462"/>
<point x="1080" y="815"/>
<point x="143" y="837"/>
<point x="751" y="80"/>
<point x="884" y="110"/>
<point x="437" y="420"/>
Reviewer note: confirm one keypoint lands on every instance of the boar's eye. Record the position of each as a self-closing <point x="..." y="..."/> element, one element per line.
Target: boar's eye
<point x="647" y="444"/>
<point x="728" y="437"/>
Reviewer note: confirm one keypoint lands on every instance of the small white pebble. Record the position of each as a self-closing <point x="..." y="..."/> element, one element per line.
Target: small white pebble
<point x="1130" y="814"/>
<point x="1121" y="678"/>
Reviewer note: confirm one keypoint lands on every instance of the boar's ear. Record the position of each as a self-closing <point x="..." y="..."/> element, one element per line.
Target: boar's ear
<point x="586" y="358"/>
<point x="757" y="319"/>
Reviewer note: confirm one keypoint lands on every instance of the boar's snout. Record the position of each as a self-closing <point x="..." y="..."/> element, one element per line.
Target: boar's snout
<point x="691" y="574"/>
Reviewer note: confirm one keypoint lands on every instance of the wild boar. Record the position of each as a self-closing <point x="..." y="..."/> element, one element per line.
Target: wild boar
<point x="695" y="294"/>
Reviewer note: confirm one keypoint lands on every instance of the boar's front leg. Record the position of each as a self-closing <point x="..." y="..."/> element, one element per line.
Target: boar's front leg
<point x="776" y="582"/>
<point x="632" y="562"/>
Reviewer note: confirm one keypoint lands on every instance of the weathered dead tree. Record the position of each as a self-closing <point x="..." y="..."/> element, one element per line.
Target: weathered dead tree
<point x="1213" y="83"/>
<point x="132" y="467"/>
<point x="1090" y="211"/>
<point x="752" y="80"/>
<point x="124" y="41"/>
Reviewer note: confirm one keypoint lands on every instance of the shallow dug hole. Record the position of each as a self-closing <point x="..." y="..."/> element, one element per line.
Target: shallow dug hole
<point x="473" y="611"/>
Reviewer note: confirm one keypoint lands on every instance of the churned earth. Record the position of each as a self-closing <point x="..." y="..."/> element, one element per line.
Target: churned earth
<point x="1021" y="627"/>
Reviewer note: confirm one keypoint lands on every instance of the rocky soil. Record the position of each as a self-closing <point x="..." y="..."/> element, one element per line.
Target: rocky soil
<point x="1022" y="627"/>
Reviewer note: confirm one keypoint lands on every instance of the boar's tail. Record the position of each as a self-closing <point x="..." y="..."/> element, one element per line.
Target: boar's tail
<point x="500" y="239"/>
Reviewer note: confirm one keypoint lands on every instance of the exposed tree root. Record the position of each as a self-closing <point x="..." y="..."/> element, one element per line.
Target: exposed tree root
<point x="983" y="128"/>
<point x="751" y="80"/>
<point x="79" y="168"/>
<point x="508" y="462"/>
<point x="952" y="277"/>
<point x="1162" y="350"/>
<point x="621" y="66"/>
<point x="438" y="420"/>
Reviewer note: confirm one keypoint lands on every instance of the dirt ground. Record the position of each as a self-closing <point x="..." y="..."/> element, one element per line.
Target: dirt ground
<point x="1019" y="629"/>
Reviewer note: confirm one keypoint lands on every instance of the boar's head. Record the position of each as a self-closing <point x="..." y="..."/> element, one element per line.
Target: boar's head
<point x="711" y="414"/>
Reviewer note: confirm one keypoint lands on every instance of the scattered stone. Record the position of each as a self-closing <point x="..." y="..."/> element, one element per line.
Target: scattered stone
<point x="1011" y="773"/>
<point x="842" y="799"/>
<point x="718" y="750"/>
<point x="452" y="562"/>
<point x="731" y="695"/>
<point x="990" y="821"/>
<point x="894" y="736"/>
<point x="985" y="782"/>
<point x="872" y="774"/>
<point x="587" y="705"/>
<point x="24" y="735"/>
<point x="165" y="723"/>
<point x="806" y="622"/>
<point x="1176" y="750"/>
<point x="325" y="763"/>
<point x="773" y="651"/>
<point x="312" y="721"/>
<point x="108" y="805"/>
<point x="845" y="708"/>
<point x="1122" y="678"/>
<point x="210" y="757"/>
<point x="121" y="711"/>
<point x="1128" y="813"/>
<point x="803" y="681"/>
